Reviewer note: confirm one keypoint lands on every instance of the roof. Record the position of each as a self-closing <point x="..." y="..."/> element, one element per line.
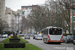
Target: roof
<point x="29" y="6"/>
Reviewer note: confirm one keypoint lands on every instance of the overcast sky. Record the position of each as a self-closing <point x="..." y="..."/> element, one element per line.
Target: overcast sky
<point x="16" y="4"/>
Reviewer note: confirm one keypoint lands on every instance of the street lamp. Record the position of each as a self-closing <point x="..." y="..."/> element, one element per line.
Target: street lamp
<point x="56" y="11"/>
<point x="56" y="14"/>
<point x="18" y="22"/>
<point x="48" y="17"/>
<point x="23" y="12"/>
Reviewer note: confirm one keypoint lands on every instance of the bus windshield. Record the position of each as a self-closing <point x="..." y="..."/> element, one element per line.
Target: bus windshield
<point x="55" y="31"/>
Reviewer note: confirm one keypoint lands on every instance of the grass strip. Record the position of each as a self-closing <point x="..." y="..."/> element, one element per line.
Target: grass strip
<point x="7" y="40"/>
<point x="21" y="36"/>
<point x="28" y="46"/>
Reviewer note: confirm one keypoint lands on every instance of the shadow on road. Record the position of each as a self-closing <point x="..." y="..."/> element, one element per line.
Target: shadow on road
<point x="54" y="43"/>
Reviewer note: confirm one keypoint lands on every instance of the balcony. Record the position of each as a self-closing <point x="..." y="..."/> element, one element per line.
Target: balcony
<point x="73" y="1"/>
<point x="74" y="14"/>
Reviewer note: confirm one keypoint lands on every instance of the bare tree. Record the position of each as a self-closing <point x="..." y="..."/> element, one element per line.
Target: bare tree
<point x="38" y="18"/>
<point x="61" y="11"/>
<point x="3" y="25"/>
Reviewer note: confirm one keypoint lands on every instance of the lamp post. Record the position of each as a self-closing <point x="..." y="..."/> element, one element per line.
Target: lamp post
<point x="41" y="23"/>
<point x="48" y="17"/>
<point x="23" y="20"/>
<point x="15" y="22"/>
<point x="18" y="22"/>
<point x="72" y="21"/>
<point x="56" y="12"/>
<point x="73" y="8"/>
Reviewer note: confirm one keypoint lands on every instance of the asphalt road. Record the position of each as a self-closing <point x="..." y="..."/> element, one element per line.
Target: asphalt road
<point x="62" y="46"/>
<point x="2" y="39"/>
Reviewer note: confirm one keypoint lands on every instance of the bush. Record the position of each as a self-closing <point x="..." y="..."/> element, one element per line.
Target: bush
<point x="14" y="45"/>
<point x="67" y="34"/>
<point x="14" y="42"/>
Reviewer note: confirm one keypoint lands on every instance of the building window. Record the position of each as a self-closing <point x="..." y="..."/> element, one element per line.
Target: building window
<point x="73" y="19"/>
<point x="74" y="27"/>
<point x="73" y="11"/>
<point x="27" y="11"/>
<point x="73" y="0"/>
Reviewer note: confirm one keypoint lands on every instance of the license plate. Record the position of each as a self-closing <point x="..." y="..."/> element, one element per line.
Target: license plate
<point x="55" y="40"/>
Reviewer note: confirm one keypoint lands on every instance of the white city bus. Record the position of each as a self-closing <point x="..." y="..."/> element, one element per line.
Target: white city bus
<point x="52" y="34"/>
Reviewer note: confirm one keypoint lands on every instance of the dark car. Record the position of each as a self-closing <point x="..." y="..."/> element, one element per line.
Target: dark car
<point x="34" y="36"/>
<point x="0" y="36"/>
<point x="74" y="39"/>
<point x="64" y="39"/>
<point x="69" y="39"/>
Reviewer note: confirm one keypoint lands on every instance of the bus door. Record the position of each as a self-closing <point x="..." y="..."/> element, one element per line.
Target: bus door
<point x="45" y="35"/>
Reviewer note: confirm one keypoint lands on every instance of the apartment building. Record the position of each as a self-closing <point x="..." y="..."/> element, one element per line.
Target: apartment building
<point x="9" y="17"/>
<point x="25" y="11"/>
<point x="2" y="9"/>
<point x="18" y="20"/>
<point x="72" y="16"/>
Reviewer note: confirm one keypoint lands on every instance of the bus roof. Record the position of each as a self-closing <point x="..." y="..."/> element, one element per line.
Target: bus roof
<point x="51" y="27"/>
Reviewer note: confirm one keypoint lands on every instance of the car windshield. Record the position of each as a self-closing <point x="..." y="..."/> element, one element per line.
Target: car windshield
<point x="39" y="35"/>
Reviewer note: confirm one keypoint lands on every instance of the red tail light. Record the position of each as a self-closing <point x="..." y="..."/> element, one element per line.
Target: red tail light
<point x="61" y="38"/>
<point x="61" y="28"/>
<point x="49" y="37"/>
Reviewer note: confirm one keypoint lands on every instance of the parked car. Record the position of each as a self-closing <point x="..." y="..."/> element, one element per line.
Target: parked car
<point x="38" y="37"/>
<point x="4" y="35"/>
<point x="11" y="35"/>
<point x="64" y="39"/>
<point x="34" y="36"/>
<point x="27" y="36"/>
<point x="69" y="39"/>
<point x="0" y="36"/>
<point x="74" y="39"/>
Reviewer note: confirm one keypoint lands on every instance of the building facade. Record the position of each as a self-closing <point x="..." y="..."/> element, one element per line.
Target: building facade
<point x="25" y="11"/>
<point x="18" y="20"/>
<point x="2" y="9"/>
<point x="72" y="16"/>
<point x="9" y="17"/>
<point x="13" y="19"/>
